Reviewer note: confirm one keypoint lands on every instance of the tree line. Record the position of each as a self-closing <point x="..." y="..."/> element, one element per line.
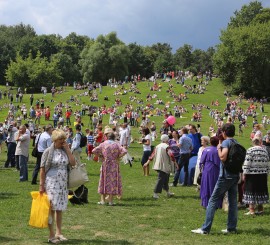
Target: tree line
<point x="241" y="58"/>
<point x="28" y="59"/>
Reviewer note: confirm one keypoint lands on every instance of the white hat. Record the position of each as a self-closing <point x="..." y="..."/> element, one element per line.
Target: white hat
<point x="164" y="138"/>
<point x="108" y="130"/>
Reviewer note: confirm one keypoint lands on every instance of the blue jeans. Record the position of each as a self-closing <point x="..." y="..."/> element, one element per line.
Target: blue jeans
<point x="23" y="168"/>
<point x="222" y="186"/>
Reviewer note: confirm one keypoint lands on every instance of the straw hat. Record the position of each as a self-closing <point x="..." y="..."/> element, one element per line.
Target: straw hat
<point x="108" y="130"/>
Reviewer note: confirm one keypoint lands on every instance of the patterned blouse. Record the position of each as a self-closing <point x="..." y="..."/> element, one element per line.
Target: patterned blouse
<point x="256" y="161"/>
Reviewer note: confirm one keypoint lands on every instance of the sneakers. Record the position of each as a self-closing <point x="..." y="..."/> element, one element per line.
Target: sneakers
<point x="199" y="231"/>
<point x="155" y="196"/>
<point x="226" y="231"/>
<point x="170" y="194"/>
<point x="172" y="185"/>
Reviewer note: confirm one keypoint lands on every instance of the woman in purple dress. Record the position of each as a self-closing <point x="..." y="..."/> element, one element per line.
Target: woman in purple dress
<point x="110" y="182"/>
<point x="210" y="165"/>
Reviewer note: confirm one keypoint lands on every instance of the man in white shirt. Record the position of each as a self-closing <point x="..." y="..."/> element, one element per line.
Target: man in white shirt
<point x="43" y="141"/>
<point x="22" y="151"/>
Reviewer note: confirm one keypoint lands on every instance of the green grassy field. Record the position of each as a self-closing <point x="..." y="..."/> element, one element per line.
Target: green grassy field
<point x="137" y="219"/>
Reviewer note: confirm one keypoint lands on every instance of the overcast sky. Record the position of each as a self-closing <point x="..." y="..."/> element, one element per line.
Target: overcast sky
<point x="195" y="22"/>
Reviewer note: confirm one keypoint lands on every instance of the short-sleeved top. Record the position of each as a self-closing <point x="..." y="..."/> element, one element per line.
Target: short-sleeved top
<point x="223" y="172"/>
<point x="147" y="147"/>
<point x="186" y="144"/>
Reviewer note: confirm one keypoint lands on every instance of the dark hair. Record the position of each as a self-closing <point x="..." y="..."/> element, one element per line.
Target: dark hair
<point x="228" y="129"/>
<point x="214" y="141"/>
<point x="78" y="127"/>
<point x="146" y="131"/>
<point x="111" y="136"/>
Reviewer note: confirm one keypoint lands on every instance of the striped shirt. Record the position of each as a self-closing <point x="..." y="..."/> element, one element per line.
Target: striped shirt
<point x="90" y="139"/>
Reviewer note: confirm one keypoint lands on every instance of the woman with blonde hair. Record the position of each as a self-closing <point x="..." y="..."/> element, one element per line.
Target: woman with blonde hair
<point x="205" y="141"/>
<point x="255" y="170"/>
<point x="53" y="181"/>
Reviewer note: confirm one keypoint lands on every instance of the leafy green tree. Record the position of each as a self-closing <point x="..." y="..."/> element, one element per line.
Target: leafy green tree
<point x="106" y="58"/>
<point x="242" y="59"/>
<point x="246" y="15"/>
<point x="33" y="72"/>
<point x="183" y="57"/>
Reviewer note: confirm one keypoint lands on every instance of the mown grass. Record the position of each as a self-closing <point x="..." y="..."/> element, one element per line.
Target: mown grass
<point x="137" y="219"/>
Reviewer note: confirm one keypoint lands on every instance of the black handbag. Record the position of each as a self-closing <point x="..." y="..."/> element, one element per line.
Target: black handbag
<point x="35" y="150"/>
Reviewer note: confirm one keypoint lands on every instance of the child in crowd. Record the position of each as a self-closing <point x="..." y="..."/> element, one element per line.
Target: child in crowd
<point x="90" y="143"/>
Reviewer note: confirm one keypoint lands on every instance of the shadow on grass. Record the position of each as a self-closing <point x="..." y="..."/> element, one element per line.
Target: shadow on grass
<point x="96" y="241"/>
<point x="186" y="197"/>
<point x="256" y="231"/>
<point x="6" y="195"/>
<point x="6" y="239"/>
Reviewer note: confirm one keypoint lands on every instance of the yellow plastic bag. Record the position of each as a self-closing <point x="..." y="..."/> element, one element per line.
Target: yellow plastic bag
<point x="40" y="210"/>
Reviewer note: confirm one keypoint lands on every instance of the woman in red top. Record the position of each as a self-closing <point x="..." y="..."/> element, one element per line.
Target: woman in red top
<point x="99" y="135"/>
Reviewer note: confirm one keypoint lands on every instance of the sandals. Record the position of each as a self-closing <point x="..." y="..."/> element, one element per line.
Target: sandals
<point x="61" y="238"/>
<point x="53" y="240"/>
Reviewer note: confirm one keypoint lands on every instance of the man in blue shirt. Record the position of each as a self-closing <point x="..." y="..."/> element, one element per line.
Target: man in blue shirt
<point x="196" y="139"/>
<point x="185" y="145"/>
<point x="227" y="182"/>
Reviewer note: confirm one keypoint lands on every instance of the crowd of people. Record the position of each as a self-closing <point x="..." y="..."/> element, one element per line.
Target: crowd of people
<point x="59" y="145"/>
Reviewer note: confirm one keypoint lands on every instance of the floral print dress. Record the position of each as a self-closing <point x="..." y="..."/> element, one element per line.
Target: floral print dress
<point x="56" y="181"/>
<point x="110" y="181"/>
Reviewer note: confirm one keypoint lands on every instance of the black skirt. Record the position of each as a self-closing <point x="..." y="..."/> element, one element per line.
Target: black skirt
<point x="255" y="189"/>
<point x="146" y="155"/>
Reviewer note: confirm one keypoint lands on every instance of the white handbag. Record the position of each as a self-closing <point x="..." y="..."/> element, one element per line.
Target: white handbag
<point x="77" y="176"/>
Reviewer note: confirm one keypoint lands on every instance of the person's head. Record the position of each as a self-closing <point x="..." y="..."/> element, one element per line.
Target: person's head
<point x="205" y="140"/>
<point x="22" y="129"/>
<point x="87" y="131"/>
<point x="108" y="130"/>
<point x="91" y="132"/>
<point x="78" y="127"/>
<point x="192" y="129"/>
<point x="99" y="128"/>
<point x="257" y="127"/>
<point x="58" y="137"/>
<point x="257" y="141"/>
<point x="228" y="129"/>
<point x="111" y="136"/>
<point x="175" y="134"/>
<point x="146" y="131"/>
<point x="165" y="124"/>
<point x="184" y="130"/>
<point x="164" y="138"/>
<point x="49" y="128"/>
<point x="214" y="141"/>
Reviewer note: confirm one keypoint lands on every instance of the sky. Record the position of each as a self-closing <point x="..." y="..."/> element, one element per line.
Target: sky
<point x="146" y="22"/>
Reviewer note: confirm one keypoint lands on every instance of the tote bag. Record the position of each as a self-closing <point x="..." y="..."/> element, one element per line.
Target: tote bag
<point x="77" y="176"/>
<point x="40" y="210"/>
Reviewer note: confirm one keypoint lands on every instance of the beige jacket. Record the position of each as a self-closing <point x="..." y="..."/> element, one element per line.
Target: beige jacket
<point x="162" y="160"/>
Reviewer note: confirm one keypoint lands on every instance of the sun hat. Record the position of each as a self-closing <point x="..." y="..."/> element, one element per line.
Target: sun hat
<point x="108" y="130"/>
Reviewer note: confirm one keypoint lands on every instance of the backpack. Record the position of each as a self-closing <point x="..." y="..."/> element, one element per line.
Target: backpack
<point x="79" y="196"/>
<point x="235" y="159"/>
<point x="83" y="141"/>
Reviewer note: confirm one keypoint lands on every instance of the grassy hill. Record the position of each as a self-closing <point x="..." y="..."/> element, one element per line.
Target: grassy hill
<point x="137" y="219"/>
